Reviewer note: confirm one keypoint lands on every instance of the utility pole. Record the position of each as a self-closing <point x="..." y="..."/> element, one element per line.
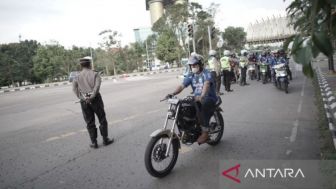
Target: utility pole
<point x="193" y="37"/>
<point x="91" y="57"/>
<point x="147" y="55"/>
<point x="209" y="34"/>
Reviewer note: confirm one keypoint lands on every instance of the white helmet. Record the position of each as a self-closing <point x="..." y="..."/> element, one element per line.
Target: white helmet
<point x="212" y="53"/>
<point x="226" y="53"/>
<point x="242" y="52"/>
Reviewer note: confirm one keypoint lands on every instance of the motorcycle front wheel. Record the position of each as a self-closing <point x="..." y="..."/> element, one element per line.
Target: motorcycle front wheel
<point x="286" y="87"/>
<point x="263" y="78"/>
<point x="156" y="162"/>
<point x="216" y="128"/>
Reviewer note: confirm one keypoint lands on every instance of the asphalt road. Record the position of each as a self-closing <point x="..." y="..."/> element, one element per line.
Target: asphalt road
<point x="44" y="142"/>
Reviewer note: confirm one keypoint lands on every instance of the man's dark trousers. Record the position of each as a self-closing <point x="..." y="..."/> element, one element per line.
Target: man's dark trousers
<point x="243" y="76"/>
<point x="89" y="110"/>
<point x="227" y="80"/>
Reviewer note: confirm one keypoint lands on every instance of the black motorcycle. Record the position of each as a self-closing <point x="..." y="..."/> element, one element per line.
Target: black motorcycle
<point x="163" y="148"/>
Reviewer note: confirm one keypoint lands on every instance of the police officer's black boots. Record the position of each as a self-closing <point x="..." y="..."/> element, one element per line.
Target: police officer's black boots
<point x="93" y="137"/>
<point x="104" y="133"/>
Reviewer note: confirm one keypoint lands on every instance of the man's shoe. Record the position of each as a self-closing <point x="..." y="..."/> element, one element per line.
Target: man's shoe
<point x="231" y="90"/>
<point x="94" y="145"/>
<point x="203" y="138"/>
<point x="108" y="141"/>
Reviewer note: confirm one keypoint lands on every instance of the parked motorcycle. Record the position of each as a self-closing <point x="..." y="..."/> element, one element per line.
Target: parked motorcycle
<point x="251" y="70"/>
<point x="163" y="148"/>
<point x="281" y="77"/>
<point x="263" y="72"/>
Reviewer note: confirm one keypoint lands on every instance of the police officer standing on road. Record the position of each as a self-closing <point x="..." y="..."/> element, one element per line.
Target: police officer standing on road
<point x="225" y="63"/>
<point x="243" y="68"/>
<point x="215" y="69"/>
<point x="86" y="88"/>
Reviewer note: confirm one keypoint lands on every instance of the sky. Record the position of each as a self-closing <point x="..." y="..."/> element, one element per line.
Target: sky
<point x="78" y="22"/>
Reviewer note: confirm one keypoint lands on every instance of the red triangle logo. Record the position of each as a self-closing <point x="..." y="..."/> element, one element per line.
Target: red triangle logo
<point x="234" y="178"/>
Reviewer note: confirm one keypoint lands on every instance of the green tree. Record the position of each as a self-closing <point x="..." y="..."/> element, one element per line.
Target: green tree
<point x="71" y="59"/>
<point x="235" y="38"/>
<point x="111" y="39"/>
<point x="167" y="47"/>
<point x="7" y="66"/>
<point x="135" y="53"/>
<point x="48" y="63"/>
<point x="314" y="20"/>
<point x="150" y="44"/>
<point x="16" y="62"/>
<point x="103" y="58"/>
<point x="204" y="20"/>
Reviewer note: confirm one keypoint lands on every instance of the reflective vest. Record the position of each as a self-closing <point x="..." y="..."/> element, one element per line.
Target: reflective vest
<point x="243" y="62"/>
<point x="211" y="64"/>
<point x="225" y="63"/>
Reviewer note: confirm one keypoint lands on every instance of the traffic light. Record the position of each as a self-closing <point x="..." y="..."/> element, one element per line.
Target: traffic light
<point x="213" y="32"/>
<point x="190" y="30"/>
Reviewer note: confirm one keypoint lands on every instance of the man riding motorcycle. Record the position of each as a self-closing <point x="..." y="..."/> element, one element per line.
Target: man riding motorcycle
<point x="283" y="59"/>
<point x="203" y="86"/>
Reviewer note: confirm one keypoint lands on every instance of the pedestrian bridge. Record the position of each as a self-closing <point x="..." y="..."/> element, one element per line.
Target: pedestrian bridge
<point x="270" y="30"/>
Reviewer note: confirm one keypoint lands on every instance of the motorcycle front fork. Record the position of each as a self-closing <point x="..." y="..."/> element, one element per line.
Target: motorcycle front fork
<point x="172" y="130"/>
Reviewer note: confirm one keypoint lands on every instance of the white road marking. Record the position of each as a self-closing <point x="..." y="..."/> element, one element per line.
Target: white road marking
<point x="52" y="138"/>
<point x="68" y="134"/>
<point x="292" y="138"/>
<point x="111" y="122"/>
<point x="300" y="107"/>
<point x="303" y="87"/>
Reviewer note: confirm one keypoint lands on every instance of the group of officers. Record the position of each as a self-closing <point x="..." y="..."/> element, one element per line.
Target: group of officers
<point x="234" y="69"/>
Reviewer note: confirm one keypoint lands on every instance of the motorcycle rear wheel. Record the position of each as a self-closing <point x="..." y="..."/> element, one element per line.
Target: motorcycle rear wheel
<point x="219" y="129"/>
<point x="155" y="153"/>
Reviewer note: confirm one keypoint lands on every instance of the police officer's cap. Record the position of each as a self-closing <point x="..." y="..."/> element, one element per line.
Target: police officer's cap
<point x="85" y="60"/>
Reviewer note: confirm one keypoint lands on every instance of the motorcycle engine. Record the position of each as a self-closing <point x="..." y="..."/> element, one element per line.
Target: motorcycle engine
<point x="187" y="116"/>
<point x="187" y="122"/>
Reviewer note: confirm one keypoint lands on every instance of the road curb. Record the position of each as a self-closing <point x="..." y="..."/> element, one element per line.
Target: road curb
<point x="329" y="102"/>
<point x="123" y="76"/>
